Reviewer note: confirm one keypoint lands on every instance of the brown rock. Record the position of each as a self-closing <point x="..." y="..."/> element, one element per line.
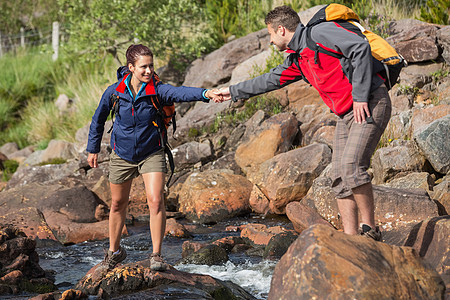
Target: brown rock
<point x="326" y="264"/>
<point x="418" y="50"/>
<point x="260" y="234"/>
<point x="137" y="279"/>
<point x="399" y="157"/>
<point x="301" y="94"/>
<point x="393" y="207"/>
<point x="275" y="136"/>
<point x="214" y="195"/>
<point x="175" y="229"/>
<point x="190" y="247"/>
<point x="426" y="116"/>
<point x="288" y="176"/>
<point x="258" y="201"/>
<point x="302" y="216"/>
<point x="12" y="278"/>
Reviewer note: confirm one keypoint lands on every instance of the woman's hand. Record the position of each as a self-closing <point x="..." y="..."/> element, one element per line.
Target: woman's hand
<point x="93" y="160"/>
<point x="215" y="95"/>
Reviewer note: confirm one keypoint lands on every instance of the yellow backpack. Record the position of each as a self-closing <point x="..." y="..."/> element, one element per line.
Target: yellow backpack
<point x="385" y="54"/>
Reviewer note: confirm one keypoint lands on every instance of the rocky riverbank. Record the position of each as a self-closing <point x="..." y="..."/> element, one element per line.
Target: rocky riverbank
<point x="271" y="164"/>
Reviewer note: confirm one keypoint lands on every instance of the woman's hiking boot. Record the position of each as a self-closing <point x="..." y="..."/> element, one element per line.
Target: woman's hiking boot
<point x="111" y="259"/>
<point x="370" y="232"/>
<point x="157" y="263"/>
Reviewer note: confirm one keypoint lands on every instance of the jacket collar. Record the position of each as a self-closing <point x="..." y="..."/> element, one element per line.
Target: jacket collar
<point x="149" y="88"/>
<point x="294" y="44"/>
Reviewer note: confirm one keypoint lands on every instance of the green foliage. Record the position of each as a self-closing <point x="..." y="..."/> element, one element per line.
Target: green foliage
<point x="439" y="75"/>
<point x="236" y="17"/>
<point x="54" y="161"/>
<point x="275" y="58"/>
<point x="436" y="11"/>
<point x="267" y="103"/>
<point x="171" y="28"/>
<point x="29" y="14"/>
<point x="10" y="167"/>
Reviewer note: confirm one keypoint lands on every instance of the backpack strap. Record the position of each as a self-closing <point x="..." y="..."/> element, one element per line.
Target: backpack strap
<point x="114" y="103"/>
<point x="162" y="130"/>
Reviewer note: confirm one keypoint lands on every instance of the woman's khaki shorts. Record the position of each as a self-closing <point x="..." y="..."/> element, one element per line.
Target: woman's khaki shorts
<point x="121" y="170"/>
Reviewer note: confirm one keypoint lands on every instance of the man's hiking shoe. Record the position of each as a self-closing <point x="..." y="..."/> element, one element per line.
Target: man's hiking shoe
<point x="111" y="259"/>
<point x="368" y="231"/>
<point x="157" y="263"/>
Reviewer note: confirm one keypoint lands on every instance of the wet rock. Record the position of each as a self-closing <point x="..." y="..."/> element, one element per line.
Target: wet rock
<point x="175" y="229"/>
<point x="137" y="279"/>
<point x="324" y="263"/>
<point x="260" y="234"/>
<point x="303" y="216"/>
<point x="19" y="263"/>
<point x="259" y="203"/>
<point x="399" y="157"/>
<point x="288" y="176"/>
<point x="214" y="195"/>
<point x="229" y="242"/>
<point x="274" y="136"/>
<point x="434" y="143"/>
<point x="190" y="247"/>
<point x="209" y="255"/>
<point x="54" y="211"/>
<point x="279" y="244"/>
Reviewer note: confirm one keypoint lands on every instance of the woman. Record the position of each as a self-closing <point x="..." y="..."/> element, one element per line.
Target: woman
<point x="136" y="146"/>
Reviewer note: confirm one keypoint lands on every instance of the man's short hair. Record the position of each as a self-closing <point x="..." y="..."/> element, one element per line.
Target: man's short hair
<point x="284" y="16"/>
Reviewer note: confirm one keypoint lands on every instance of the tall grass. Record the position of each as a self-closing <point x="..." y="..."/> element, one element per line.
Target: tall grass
<point x="31" y="82"/>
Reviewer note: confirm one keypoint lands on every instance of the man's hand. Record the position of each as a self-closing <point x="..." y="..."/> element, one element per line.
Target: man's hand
<point x="360" y="111"/>
<point x="225" y="91"/>
<point x="93" y="160"/>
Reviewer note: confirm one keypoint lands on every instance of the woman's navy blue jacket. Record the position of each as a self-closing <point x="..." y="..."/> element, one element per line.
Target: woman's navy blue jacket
<point x="134" y="137"/>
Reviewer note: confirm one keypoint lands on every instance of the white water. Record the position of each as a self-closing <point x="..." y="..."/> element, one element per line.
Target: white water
<point x="253" y="277"/>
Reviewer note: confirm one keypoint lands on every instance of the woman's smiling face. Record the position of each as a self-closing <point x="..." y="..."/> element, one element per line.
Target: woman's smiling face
<point x="143" y="68"/>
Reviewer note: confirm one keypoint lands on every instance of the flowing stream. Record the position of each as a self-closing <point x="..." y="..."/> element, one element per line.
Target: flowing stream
<point x="253" y="273"/>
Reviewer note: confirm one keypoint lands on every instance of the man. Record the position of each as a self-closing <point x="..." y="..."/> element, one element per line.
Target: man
<point x="351" y="88"/>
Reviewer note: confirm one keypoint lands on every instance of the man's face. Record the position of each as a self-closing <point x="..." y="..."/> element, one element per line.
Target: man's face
<point x="278" y="37"/>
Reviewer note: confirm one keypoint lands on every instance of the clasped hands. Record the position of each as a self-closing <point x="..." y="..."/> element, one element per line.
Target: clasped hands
<point x="219" y="95"/>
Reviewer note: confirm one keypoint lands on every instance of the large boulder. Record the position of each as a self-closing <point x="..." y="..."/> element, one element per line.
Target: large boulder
<point x="394" y="208"/>
<point x="199" y="118"/>
<point x="288" y="176"/>
<point x="54" y="211"/>
<point x="434" y="143"/>
<point x="418" y="75"/>
<point x="216" y="68"/>
<point x="137" y="280"/>
<point x="274" y="136"/>
<point x="399" y="157"/>
<point x="422" y="117"/>
<point x="247" y="68"/>
<point x="19" y="264"/>
<point x="303" y="217"/>
<point x="443" y="36"/>
<point x="417" y="43"/>
<point x="214" y="195"/>
<point x="326" y="264"/>
<point x="191" y="153"/>
<point x="42" y="174"/>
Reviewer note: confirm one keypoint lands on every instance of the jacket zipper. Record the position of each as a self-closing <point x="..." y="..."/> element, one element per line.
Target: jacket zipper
<point x="318" y="86"/>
